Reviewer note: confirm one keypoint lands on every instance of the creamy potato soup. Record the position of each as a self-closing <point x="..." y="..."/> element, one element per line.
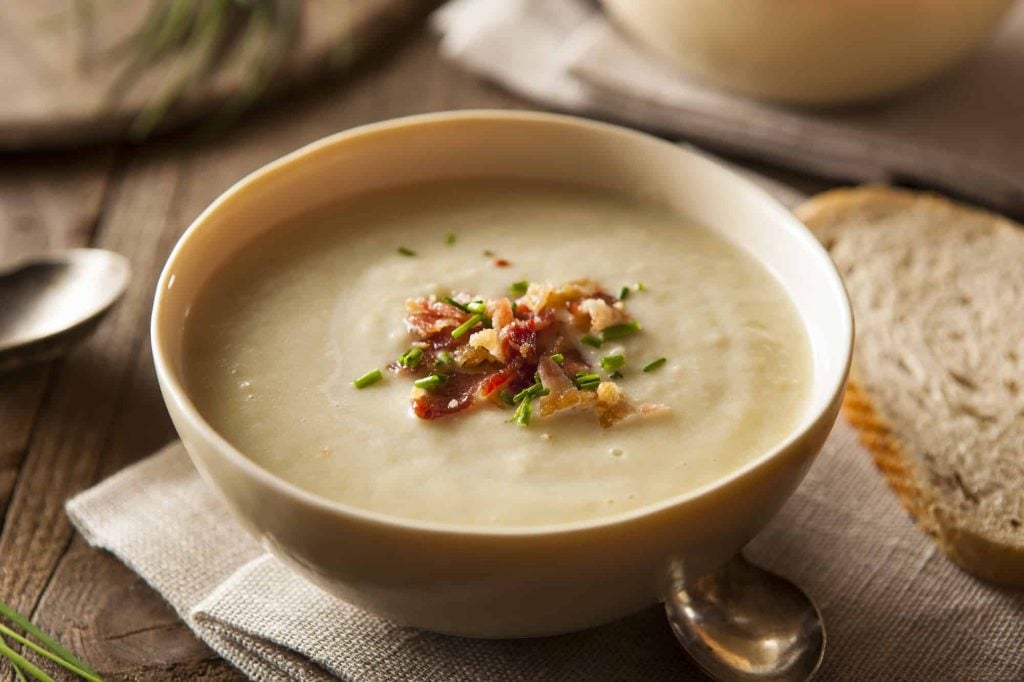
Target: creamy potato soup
<point x="497" y="354"/>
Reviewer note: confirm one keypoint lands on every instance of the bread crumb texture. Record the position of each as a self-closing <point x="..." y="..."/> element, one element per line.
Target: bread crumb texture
<point x="937" y="390"/>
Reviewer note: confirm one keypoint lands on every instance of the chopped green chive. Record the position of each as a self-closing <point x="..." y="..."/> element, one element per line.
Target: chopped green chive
<point x="587" y="382"/>
<point x="451" y="301"/>
<point x="411" y="357"/>
<point x="655" y="364"/>
<point x="591" y="340"/>
<point x="449" y="238"/>
<point x="476" y="307"/>
<point x="444" y="359"/>
<point x="406" y="251"/>
<point x="640" y="286"/>
<point x="558" y="358"/>
<point x="530" y="392"/>
<point x="467" y="325"/>
<point x="430" y="381"/>
<point x="615" y="375"/>
<point x="618" y="331"/>
<point x="610" y="363"/>
<point x="368" y="379"/>
<point x="519" y="288"/>
<point x="506" y="397"/>
<point x="488" y="253"/>
<point x="522" y="414"/>
<point x="624" y="294"/>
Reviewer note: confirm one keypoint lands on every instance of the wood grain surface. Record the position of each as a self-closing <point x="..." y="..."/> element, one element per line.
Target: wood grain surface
<point x="65" y="426"/>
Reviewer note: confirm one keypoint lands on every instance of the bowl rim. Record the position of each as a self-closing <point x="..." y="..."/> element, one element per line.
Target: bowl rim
<point x="173" y="389"/>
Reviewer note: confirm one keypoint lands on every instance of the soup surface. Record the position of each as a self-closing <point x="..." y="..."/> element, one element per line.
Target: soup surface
<point x="276" y="338"/>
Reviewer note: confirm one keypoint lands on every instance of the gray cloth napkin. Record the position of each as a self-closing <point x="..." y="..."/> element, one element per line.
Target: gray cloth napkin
<point x="895" y="607"/>
<point x="963" y="133"/>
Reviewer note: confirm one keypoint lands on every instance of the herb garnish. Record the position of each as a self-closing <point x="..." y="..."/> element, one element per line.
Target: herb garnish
<point x="530" y="392"/>
<point x="476" y="307"/>
<point x="444" y="359"/>
<point x="586" y="381"/>
<point x="591" y="340"/>
<point x="432" y="380"/>
<point x="618" y="331"/>
<point x="44" y="646"/>
<point x="461" y="306"/>
<point x="558" y="358"/>
<point x="411" y="357"/>
<point x="610" y="363"/>
<point x="406" y="251"/>
<point x="368" y="379"/>
<point x="519" y="288"/>
<point x="655" y="364"/>
<point x="624" y="293"/>
<point x="522" y="413"/>
<point x="449" y="239"/>
<point x="467" y="325"/>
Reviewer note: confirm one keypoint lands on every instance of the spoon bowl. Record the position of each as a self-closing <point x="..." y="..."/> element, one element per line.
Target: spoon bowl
<point x="48" y="304"/>
<point x="742" y="622"/>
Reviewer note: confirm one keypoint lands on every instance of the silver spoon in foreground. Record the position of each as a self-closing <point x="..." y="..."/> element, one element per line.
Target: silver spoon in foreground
<point x="49" y="303"/>
<point x="742" y="622"/>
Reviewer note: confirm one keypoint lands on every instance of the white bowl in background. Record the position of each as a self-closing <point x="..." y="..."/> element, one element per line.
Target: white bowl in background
<point x="821" y="52"/>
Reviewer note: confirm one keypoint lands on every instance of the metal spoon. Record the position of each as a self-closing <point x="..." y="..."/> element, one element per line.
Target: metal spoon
<point x="742" y="622"/>
<point x="47" y="304"/>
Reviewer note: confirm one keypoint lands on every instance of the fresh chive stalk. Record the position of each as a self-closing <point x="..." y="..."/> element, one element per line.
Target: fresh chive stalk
<point x="405" y="251"/>
<point x="586" y="381"/>
<point x="591" y="340"/>
<point x="624" y="293"/>
<point x="615" y="375"/>
<point x="461" y="330"/>
<point x="531" y="392"/>
<point x="44" y="645"/>
<point x="519" y="288"/>
<point x="432" y="380"/>
<point x="444" y="359"/>
<point x="558" y="359"/>
<point x="655" y="364"/>
<point x="477" y="307"/>
<point x="368" y="379"/>
<point x="610" y="363"/>
<point x="506" y="397"/>
<point x="411" y="357"/>
<point x="522" y="413"/>
<point x="618" y="331"/>
<point x="451" y="301"/>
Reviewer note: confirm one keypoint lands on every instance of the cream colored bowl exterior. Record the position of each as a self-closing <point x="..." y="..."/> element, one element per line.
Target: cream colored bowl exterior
<point x="811" y="51"/>
<point x="509" y="582"/>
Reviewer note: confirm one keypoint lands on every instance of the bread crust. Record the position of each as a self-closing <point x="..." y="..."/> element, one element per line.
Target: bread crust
<point x="977" y="554"/>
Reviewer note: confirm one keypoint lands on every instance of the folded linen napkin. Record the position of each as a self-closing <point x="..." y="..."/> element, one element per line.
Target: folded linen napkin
<point x="962" y="133"/>
<point x="896" y="609"/>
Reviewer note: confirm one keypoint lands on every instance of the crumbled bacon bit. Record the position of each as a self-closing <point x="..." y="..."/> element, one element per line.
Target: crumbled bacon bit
<point x="510" y="350"/>
<point x="502" y="263"/>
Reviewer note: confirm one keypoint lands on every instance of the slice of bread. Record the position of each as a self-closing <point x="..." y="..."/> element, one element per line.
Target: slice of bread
<point x="937" y="389"/>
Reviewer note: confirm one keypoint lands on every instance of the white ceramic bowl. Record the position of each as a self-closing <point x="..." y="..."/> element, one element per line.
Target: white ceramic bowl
<point x="519" y="581"/>
<point x="811" y="51"/>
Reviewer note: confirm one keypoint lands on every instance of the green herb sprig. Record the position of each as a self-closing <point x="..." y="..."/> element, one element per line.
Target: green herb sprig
<point x="38" y="642"/>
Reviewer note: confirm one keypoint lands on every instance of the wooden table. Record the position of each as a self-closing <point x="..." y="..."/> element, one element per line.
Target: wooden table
<point x="65" y="426"/>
